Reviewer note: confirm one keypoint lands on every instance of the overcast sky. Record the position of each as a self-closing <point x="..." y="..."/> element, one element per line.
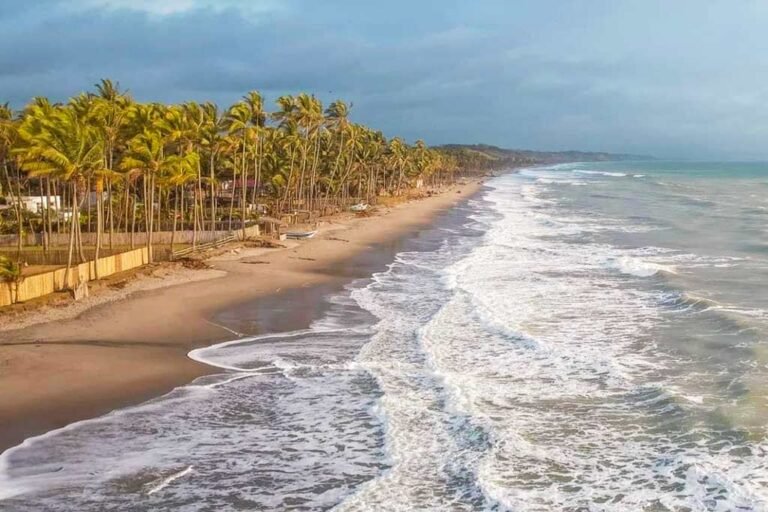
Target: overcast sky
<point x="682" y="78"/>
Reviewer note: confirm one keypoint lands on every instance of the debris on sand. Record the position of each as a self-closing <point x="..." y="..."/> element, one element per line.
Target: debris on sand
<point x="194" y="264"/>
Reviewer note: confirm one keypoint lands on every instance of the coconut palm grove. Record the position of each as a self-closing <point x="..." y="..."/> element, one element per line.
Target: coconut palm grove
<point x="106" y="158"/>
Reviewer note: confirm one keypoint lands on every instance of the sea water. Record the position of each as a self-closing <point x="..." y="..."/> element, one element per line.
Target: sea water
<point x="577" y="337"/>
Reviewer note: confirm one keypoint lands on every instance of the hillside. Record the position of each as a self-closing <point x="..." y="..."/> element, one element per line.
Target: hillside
<point x="493" y="157"/>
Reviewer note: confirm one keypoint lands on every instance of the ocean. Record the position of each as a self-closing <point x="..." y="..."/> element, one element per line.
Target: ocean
<point x="579" y="337"/>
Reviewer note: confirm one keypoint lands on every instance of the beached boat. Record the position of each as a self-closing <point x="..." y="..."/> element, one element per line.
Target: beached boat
<point x="360" y="207"/>
<point x="300" y="235"/>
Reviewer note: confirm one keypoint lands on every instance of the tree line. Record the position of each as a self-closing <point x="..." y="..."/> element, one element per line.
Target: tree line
<point x="119" y="165"/>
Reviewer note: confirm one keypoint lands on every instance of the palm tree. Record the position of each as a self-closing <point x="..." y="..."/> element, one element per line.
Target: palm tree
<point x="399" y="161"/>
<point x="255" y="103"/>
<point x="196" y="120"/>
<point x="309" y="117"/>
<point x="239" y="124"/>
<point x="110" y="115"/>
<point x="212" y="141"/>
<point x="338" y="120"/>
<point x="12" y="274"/>
<point x="298" y="157"/>
<point x="178" y="172"/>
<point x="65" y="145"/>
<point x="146" y="157"/>
<point x="8" y="140"/>
<point x="287" y="119"/>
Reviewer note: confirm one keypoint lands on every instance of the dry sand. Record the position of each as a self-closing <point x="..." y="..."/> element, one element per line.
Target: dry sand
<point x="128" y="346"/>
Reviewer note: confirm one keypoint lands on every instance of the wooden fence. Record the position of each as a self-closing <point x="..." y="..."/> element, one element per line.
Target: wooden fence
<point x="55" y="256"/>
<point x="43" y="284"/>
<point x="118" y="239"/>
<point x="33" y="255"/>
<point x="202" y="247"/>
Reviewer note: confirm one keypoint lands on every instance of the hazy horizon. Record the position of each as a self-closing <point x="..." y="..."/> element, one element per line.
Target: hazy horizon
<point x="654" y="78"/>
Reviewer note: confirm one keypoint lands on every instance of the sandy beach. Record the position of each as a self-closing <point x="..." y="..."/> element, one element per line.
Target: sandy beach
<point x="125" y="348"/>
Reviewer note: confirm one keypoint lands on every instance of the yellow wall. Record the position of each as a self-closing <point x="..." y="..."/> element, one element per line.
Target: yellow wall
<point x="49" y="282"/>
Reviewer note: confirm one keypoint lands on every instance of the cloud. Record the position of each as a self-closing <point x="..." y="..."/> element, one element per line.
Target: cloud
<point x="641" y="76"/>
<point x="170" y="7"/>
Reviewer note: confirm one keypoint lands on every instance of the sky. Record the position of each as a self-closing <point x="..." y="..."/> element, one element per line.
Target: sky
<point x="673" y="79"/>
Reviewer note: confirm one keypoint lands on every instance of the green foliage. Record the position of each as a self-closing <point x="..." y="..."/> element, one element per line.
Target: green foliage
<point x="10" y="271"/>
<point x="200" y="163"/>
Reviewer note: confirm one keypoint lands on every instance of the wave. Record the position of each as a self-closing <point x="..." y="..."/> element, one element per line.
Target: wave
<point x="609" y="174"/>
<point x="218" y="356"/>
<point x="726" y="319"/>
<point x="682" y="301"/>
<point x="550" y="181"/>
<point x="278" y="396"/>
<point x="560" y="293"/>
<point x="637" y="267"/>
<point x="603" y="173"/>
<point x="432" y="449"/>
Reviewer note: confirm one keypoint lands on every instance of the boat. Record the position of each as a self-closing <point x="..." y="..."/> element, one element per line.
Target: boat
<point x="360" y="207"/>
<point x="300" y="235"/>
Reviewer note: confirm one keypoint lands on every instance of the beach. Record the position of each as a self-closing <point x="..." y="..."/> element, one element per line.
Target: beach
<point x="483" y="357"/>
<point x="133" y="345"/>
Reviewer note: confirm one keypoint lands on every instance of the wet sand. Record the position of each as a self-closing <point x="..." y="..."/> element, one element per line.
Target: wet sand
<point x="127" y="351"/>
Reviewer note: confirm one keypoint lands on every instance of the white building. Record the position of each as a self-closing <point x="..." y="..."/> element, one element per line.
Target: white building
<point x="36" y="204"/>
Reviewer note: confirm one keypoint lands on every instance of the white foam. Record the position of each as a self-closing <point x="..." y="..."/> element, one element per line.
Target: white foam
<point x="541" y="349"/>
<point x="603" y="173"/>
<point x="165" y="482"/>
<point x="637" y="267"/>
<point x="312" y="420"/>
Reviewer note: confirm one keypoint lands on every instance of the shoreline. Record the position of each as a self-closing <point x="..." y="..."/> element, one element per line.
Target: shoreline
<point x="131" y="348"/>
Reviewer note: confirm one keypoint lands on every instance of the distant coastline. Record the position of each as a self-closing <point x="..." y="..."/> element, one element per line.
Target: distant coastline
<point x="532" y="157"/>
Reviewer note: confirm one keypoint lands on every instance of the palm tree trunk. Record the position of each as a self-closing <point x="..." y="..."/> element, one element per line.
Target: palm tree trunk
<point x="175" y="216"/>
<point x="43" y="210"/>
<point x="133" y="223"/>
<point x="110" y="209"/>
<point x="213" y="192"/>
<point x="157" y="225"/>
<point x="110" y="214"/>
<point x="199" y="195"/>
<point x="78" y="227"/>
<point x="150" y="218"/>
<point x="304" y="165"/>
<point x="62" y="203"/>
<point x="67" y="280"/>
<point x="126" y="205"/>
<point x="50" y="222"/>
<point x="336" y="164"/>
<point x="99" y="227"/>
<point x="256" y="171"/>
<point x="244" y="197"/>
<point x="145" y="197"/>
<point x="194" y="216"/>
<point x="312" y="185"/>
<point x="232" y="199"/>
<point x="290" y="178"/>
<point x="89" y="206"/>
<point x="16" y="209"/>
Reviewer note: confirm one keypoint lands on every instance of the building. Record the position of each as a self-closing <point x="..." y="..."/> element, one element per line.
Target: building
<point x="36" y="204"/>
